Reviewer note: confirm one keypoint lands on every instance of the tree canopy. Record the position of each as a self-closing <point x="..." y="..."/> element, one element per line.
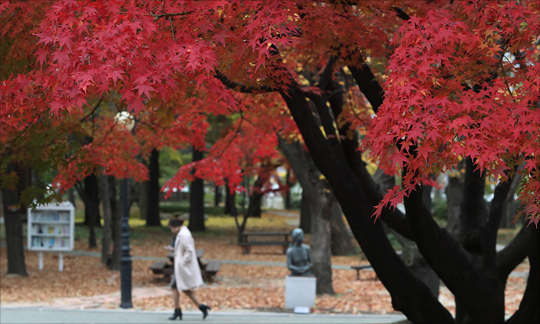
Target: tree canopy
<point x="418" y="86"/>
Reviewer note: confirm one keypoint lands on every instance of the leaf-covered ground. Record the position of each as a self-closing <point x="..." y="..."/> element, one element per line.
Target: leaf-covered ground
<point x="86" y="283"/>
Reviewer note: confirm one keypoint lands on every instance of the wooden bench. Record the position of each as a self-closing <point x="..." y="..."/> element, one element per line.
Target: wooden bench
<point x="362" y="267"/>
<point x="246" y="244"/>
<point x="208" y="270"/>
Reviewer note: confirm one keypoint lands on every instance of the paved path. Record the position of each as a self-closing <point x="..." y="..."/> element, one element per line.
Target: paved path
<point x="45" y="315"/>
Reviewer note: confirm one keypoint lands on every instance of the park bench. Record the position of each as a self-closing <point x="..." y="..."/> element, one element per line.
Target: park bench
<point x="246" y="243"/>
<point x="358" y="268"/>
<point x="208" y="270"/>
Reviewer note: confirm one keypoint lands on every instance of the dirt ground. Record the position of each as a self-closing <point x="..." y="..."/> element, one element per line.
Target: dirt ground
<point x="86" y="283"/>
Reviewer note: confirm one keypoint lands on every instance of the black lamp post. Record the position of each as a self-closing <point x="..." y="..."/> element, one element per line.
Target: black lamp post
<point x="125" y="268"/>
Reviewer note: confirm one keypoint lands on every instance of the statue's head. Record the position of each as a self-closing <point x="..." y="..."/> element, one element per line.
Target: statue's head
<point x="297" y="235"/>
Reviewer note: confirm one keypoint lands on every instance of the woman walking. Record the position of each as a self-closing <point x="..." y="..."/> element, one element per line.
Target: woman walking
<point x="187" y="274"/>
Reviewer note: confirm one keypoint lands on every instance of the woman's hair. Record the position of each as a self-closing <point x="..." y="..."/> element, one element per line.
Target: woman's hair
<point x="176" y="222"/>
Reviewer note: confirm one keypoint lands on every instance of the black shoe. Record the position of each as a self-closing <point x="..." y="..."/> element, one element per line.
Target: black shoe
<point x="204" y="309"/>
<point x="177" y="313"/>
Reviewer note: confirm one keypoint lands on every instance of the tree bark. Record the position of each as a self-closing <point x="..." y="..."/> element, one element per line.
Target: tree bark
<point x="217" y="195"/>
<point x="341" y="239"/>
<point x="305" y="212"/>
<point x="116" y="209"/>
<point x="408" y="294"/>
<point x="454" y="198"/>
<point x="287" y="198"/>
<point x="71" y="197"/>
<point x="143" y="199"/>
<point x="528" y="311"/>
<point x="106" y="240"/>
<point x="255" y="199"/>
<point x="321" y="212"/>
<point x="152" y="213"/>
<point x="230" y="202"/>
<point x="321" y="202"/>
<point x="91" y="204"/>
<point x="196" y="199"/>
<point x="9" y="199"/>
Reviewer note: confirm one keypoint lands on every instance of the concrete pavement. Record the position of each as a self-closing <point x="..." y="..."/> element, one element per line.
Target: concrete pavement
<point x="27" y="315"/>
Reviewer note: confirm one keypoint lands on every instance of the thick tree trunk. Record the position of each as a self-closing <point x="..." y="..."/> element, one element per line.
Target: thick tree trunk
<point x="305" y="212"/>
<point x="196" y="199"/>
<point x="116" y="209"/>
<point x="14" y="233"/>
<point x="454" y="198"/>
<point x="152" y="213"/>
<point x="528" y="311"/>
<point x="217" y="195"/>
<point x="143" y="199"/>
<point x="91" y="204"/>
<point x="71" y="196"/>
<point x="510" y="209"/>
<point x="321" y="238"/>
<point x="106" y="240"/>
<point x="408" y="294"/>
<point x="230" y="202"/>
<point x="321" y="201"/>
<point x="341" y="240"/>
<point x="255" y="200"/>
<point x="287" y="198"/>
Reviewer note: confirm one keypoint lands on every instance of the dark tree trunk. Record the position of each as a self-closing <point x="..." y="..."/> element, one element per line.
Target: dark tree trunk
<point x="71" y="196"/>
<point x="217" y="195"/>
<point x="341" y="240"/>
<point x="528" y="311"/>
<point x="230" y="202"/>
<point x="152" y="213"/>
<point x="196" y="199"/>
<point x="14" y="233"/>
<point x="106" y="240"/>
<point x="116" y="209"/>
<point x="318" y="200"/>
<point x="408" y="294"/>
<point x="143" y="199"/>
<point x="321" y="238"/>
<point x="91" y="204"/>
<point x="305" y="212"/>
<point x="454" y="198"/>
<point x="510" y="208"/>
<point x="290" y="184"/>
<point x="255" y="200"/>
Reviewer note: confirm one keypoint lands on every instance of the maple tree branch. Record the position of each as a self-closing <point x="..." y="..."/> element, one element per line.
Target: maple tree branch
<point x="326" y="75"/>
<point x="516" y="251"/>
<point x="368" y="84"/>
<point x="401" y="14"/>
<point x="233" y="138"/>
<point x="93" y="110"/>
<point x="240" y="87"/>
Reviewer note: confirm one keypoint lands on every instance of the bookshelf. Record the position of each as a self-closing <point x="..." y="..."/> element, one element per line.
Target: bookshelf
<point x="51" y="228"/>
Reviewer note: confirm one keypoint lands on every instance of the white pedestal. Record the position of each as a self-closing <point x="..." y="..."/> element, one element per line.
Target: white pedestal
<point x="300" y="292"/>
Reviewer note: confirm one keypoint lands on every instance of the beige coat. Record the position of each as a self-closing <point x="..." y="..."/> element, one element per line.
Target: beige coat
<point x="186" y="267"/>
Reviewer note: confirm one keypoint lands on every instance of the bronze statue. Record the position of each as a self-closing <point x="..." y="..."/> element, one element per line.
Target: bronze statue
<point x="299" y="255"/>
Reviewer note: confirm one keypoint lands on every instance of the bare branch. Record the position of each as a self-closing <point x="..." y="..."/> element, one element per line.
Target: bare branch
<point x="93" y="110"/>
